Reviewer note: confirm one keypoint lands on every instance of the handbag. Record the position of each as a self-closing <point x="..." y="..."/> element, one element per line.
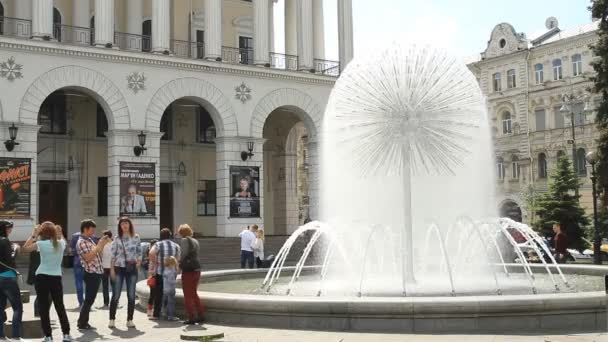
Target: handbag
<point x="130" y="266"/>
<point x="19" y="275"/>
<point x="151" y="282"/>
<point x="189" y="262"/>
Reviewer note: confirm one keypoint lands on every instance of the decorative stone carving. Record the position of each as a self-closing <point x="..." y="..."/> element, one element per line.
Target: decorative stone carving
<point x="136" y="81"/>
<point x="243" y="93"/>
<point x="11" y="70"/>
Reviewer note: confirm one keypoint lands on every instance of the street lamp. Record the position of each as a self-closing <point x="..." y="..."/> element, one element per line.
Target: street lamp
<point x="567" y="109"/>
<point x="597" y="257"/>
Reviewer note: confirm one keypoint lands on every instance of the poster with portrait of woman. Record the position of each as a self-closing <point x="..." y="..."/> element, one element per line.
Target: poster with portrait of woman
<point x="244" y="191"/>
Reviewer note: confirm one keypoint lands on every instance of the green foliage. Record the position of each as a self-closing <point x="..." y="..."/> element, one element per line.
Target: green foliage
<point x="560" y="205"/>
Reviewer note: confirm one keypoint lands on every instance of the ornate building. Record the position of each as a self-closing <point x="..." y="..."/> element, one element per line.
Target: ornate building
<point x="167" y="111"/>
<point x="527" y="82"/>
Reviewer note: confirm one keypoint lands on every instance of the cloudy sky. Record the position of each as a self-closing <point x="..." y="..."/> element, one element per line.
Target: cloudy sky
<point x="462" y="26"/>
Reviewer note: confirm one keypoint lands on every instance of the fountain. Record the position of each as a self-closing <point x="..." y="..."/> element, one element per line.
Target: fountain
<point x="407" y="239"/>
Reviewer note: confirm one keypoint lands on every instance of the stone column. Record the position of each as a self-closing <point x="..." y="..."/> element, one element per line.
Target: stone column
<point x="291" y="37"/>
<point x="271" y="31"/>
<point x="213" y="29"/>
<point x="305" y="35"/>
<point x="161" y="26"/>
<point x="261" y="32"/>
<point x="345" y="32"/>
<point x="135" y="13"/>
<point x="120" y="149"/>
<point x="42" y="19"/>
<point x="228" y="153"/>
<point x="104" y="23"/>
<point x="318" y="29"/>
<point x="23" y="10"/>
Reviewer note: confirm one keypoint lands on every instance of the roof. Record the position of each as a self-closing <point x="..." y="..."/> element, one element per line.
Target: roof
<point x="575" y="31"/>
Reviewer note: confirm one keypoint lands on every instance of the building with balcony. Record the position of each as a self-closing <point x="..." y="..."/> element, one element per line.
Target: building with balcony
<point x="526" y="81"/>
<point x="166" y="111"/>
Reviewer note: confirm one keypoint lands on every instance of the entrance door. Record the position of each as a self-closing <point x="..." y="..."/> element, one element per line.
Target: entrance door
<point x="53" y="203"/>
<point x="166" y="206"/>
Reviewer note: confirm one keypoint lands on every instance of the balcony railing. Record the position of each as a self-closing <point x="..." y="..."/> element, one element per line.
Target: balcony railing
<point x="185" y="49"/>
<point x="74" y="35"/>
<point x="326" y="67"/>
<point x="15" y="27"/>
<point x="232" y="55"/>
<point x="283" y="61"/>
<point x="132" y="42"/>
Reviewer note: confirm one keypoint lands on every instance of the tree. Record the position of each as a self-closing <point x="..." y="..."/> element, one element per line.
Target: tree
<point x="560" y="205"/>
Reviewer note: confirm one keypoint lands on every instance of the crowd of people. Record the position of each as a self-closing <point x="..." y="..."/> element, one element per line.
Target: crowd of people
<point x="112" y="262"/>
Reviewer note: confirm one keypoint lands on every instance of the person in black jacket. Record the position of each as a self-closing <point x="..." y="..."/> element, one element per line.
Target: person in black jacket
<point x="9" y="287"/>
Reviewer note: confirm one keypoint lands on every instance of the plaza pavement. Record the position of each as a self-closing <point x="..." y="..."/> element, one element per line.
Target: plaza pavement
<point x="164" y="331"/>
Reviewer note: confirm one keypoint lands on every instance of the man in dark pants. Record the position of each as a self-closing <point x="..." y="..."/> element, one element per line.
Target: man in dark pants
<point x="90" y="256"/>
<point x="158" y="253"/>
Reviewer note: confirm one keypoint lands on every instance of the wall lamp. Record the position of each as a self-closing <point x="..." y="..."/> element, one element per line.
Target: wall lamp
<point x="139" y="150"/>
<point x="12" y="132"/>
<point x="247" y="155"/>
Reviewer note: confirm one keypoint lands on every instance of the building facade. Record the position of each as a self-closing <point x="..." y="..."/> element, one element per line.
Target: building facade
<point x="166" y="111"/>
<point x="527" y="82"/>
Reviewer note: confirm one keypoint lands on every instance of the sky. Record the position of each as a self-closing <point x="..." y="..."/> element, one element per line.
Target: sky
<point x="461" y="26"/>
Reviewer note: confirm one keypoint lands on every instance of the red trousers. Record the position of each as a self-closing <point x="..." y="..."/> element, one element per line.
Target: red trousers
<point x="191" y="299"/>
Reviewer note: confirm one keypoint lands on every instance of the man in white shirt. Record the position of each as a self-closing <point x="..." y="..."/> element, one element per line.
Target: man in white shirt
<point x="247" y="237"/>
<point x="133" y="203"/>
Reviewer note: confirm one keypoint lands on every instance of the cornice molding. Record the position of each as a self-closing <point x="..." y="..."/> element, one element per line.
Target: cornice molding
<point x="121" y="56"/>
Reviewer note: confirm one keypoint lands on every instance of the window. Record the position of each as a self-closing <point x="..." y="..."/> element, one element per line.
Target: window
<point x="502" y="43"/>
<point x="559" y="117"/>
<point x="579" y="113"/>
<point x="538" y="73"/>
<point x="1" y="19"/>
<point x="146" y="36"/>
<point x="166" y="124"/>
<point x="557" y="69"/>
<point x="102" y="122"/>
<point x="515" y="167"/>
<point x="511" y="82"/>
<point x="542" y="165"/>
<point x="496" y="82"/>
<point x="200" y="44"/>
<point x="56" y="24"/>
<point x="246" y="50"/>
<point x="52" y="115"/>
<point x="581" y="162"/>
<point x="206" y="198"/>
<point x="500" y="169"/>
<point x="206" y="128"/>
<point x="506" y="123"/>
<point x="577" y="65"/>
<point x="560" y="154"/>
<point x="102" y="196"/>
<point x="540" y="119"/>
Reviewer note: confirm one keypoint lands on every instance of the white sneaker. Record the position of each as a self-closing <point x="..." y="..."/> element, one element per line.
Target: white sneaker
<point x="111" y="325"/>
<point x="67" y="338"/>
<point x="130" y="324"/>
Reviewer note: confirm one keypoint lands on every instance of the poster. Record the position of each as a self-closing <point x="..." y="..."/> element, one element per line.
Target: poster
<point x="244" y="191"/>
<point x="137" y="189"/>
<point x="15" y="186"/>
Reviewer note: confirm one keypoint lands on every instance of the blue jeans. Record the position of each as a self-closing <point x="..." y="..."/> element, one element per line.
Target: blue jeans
<point x="169" y="302"/>
<point x="79" y="280"/>
<point x="9" y="291"/>
<point x="246" y="256"/>
<point x="131" y="279"/>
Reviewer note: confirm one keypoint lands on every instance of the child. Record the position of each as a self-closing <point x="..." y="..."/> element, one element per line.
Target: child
<point x="169" y="281"/>
<point x="258" y="248"/>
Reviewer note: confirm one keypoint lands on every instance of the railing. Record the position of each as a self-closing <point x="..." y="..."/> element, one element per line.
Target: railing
<point x="15" y="27"/>
<point x="232" y="55"/>
<point x="325" y="67"/>
<point x="283" y="61"/>
<point x="73" y="34"/>
<point x="132" y="42"/>
<point x="185" y="49"/>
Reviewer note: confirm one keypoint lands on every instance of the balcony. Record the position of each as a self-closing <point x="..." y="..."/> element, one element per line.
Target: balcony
<point x="84" y="36"/>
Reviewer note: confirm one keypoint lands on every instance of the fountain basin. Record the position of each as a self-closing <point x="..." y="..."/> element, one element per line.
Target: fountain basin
<point x="556" y="312"/>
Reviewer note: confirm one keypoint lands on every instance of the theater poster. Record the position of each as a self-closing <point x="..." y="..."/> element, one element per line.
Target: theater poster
<point x="15" y="186"/>
<point x="244" y="191"/>
<point x="137" y="189"/>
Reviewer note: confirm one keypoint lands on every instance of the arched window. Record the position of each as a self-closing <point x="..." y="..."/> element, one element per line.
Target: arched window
<point x="542" y="165"/>
<point x="496" y="81"/>
<point x="206" y="128"/>
<point x="577" y="65"/>
<point x="56" y="24"/>
<point x="146" y="39"/>
<point x="557" y="69"/>
<point x="500" y="169"/>
<point x="539" y="73"/>
<point x="515" y="167"/>
<point x="506" y="123"/>
<point x="511" y="79"/>
<point x="581" y="162"/>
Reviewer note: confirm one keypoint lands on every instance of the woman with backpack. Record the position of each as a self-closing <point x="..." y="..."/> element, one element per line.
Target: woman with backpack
<point x="191" y="274"/>
<point x="9" y="286"/>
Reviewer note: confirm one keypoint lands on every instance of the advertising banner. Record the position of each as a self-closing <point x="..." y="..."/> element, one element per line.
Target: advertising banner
<point x="244" y="191"/>
<point x="15" y="186"/>
<point x="137" y="189"/>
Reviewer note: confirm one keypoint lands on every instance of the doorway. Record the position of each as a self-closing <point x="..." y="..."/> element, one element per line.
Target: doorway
<point x="53" y="203"/>
<point x="166" y="206"/>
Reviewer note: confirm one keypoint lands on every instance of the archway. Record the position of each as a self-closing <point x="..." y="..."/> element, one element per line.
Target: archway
<point x="511" y="210"/>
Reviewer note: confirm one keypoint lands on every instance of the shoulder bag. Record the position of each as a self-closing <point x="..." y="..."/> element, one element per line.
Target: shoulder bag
<point x="130" y="265"/>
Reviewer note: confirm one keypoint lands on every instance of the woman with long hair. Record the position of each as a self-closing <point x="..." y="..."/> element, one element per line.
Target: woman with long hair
<point x="191" y="274"/>
<point x="9" y="287"/>
<point x="126" y="259"/>
<point x="49" y="242"/>
<point x="258" y="248"/>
